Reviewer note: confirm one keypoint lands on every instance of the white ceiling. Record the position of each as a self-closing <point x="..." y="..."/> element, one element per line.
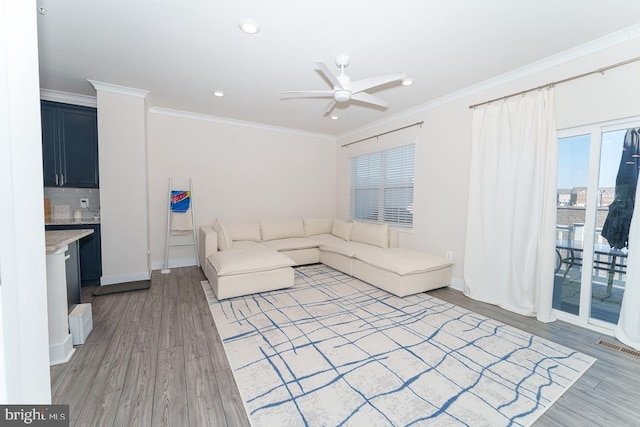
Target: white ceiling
<point x="182" y="50"/>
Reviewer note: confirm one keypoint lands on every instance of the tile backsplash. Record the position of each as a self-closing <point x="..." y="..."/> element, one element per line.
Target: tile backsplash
<point x="71" y="197"/>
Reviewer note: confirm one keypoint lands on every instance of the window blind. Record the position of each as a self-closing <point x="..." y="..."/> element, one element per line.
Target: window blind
<point x="381" y="188"/>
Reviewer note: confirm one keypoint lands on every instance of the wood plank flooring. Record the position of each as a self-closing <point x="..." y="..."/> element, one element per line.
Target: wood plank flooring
<point x="154" y="358"/>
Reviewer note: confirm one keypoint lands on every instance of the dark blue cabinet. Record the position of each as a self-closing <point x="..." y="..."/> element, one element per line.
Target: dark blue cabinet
<point x="90" y="253"/>
<point x="72" y="265"/>
<point x="69" y="145"/>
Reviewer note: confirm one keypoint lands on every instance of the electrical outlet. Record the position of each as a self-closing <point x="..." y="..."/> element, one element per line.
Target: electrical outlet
<point x="449" y="255"/>
<point x="84" y="203"/>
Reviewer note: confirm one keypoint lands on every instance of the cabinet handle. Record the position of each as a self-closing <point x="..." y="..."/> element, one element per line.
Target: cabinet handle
<point x="61" y="180"/>
<point x="56" y="179"/>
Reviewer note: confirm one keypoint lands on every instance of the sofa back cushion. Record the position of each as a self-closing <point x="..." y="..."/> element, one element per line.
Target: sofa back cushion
<point x="371" y="234"/>
<point x="315" y="226"/>
<point x="272" y="230"/>
<point x="341" y="229"/>
<point x="224" y="234"/>
<point x="248" y="231"/>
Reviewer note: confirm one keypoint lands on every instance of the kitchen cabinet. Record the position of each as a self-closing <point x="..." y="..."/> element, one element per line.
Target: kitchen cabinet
<point x="69" y="145"/>
<point x="90" y="252"/>
<point x="72" y="259"/>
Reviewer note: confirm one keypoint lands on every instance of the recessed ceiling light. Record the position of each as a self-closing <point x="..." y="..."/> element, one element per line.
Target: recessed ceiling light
<point x="334" y="117"/>
<point x="218" y="93"/>
<point x="249" y="26"/>
<point x="408" y="81"/>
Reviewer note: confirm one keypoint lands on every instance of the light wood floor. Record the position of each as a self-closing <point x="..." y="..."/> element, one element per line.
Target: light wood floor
<point x="154" y="358"/>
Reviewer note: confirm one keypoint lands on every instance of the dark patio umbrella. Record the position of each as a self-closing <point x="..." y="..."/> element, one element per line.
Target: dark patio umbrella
<point x="616" y="226"/>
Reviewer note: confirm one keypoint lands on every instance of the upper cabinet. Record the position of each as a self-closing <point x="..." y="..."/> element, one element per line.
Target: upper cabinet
<point x="69" y="145"/>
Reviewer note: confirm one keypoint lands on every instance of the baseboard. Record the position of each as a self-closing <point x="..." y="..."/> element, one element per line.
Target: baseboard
<point x="175" y="263"/>
<point x="457" y="284"/>
<point x="122" y="278"/>
<point x="61" y="352"/>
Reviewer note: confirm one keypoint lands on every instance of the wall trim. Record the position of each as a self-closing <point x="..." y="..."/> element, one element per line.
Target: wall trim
<point x="457" y="284"/>
<point x="236" y="122"/>
<point x="123" y="90"/>
<point x="122" y="278"/>
<point x="68" y="98"/>
<point x="591" y="47"/>
<point x="175" y="263"/>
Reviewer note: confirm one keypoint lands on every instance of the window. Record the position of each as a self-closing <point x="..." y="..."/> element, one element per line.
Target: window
<point x="382" y="186"/>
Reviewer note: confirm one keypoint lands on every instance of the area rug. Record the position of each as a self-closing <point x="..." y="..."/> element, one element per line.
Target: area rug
<point x="334" y="351"/>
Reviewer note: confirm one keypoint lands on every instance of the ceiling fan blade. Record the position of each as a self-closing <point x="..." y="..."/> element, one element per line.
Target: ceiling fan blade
<point x="330" y="107"/>
<point x="369" y="99"/>
<point x="307" y="94"/>
<point x="327" y="72"/>
<point x="364" y="84"/>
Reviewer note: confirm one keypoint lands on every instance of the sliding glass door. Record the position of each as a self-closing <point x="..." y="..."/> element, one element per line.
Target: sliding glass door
<point x="594" y="173"/>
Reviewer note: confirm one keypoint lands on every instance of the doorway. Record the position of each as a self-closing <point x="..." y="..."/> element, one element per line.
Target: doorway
<point x="590" y="272"/>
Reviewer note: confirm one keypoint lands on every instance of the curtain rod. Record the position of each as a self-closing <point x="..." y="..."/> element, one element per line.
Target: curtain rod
<point x="568" y="79"/>
<point x="384" y="133"/>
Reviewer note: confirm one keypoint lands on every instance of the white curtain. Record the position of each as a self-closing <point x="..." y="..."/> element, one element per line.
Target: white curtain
<point x="510" y="246"/>
<point x="628" y="328"/>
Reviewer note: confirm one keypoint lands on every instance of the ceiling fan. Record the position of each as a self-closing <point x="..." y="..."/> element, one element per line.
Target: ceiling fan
<point x="344" y="89"/>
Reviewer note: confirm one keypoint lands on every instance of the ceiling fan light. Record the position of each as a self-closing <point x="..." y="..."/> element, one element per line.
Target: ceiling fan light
<point x="249" y="26"/>
<point x="333" y="117"/>
<point x="407" y="81"/>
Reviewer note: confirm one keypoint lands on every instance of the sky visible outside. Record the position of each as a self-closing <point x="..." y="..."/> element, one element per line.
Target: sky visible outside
<point x="573" y="159"/>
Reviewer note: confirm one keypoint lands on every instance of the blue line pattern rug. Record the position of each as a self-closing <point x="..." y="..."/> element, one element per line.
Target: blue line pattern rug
<point x="335" y="351"/>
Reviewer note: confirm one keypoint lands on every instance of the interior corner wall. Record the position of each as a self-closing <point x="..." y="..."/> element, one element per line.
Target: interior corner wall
<point x="443" y="143"/>
<point x="24" y="339"/>
<point x="122" y="152"/>
<point x="239" y="173"/>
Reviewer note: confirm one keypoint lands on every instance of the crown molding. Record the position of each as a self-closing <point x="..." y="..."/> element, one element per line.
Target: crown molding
<point x="236" y="122"/>
<point x="594" y="46"/>
<point x="122" y="90"/>
<point x="68" y="98"/>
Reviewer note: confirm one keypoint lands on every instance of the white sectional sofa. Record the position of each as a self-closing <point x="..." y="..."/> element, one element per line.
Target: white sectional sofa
<point x="250" y="257"/>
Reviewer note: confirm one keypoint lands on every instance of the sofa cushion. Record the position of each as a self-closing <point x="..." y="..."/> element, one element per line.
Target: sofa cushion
<point x="339" y="247"/>
<point x="244" y="231"/>
<point x="249" y="245"/>
<point x="314" y="226"/>
<point x="272" y="230"/>
<point x="224" y="235"/>
<point x="291" y="244"/>
<point x="403" y="261"/>
<point x="243" y="259"/>
<point x="371" y="234"/>
<point x="341" y="229"/>
<point x="324" y="238"/>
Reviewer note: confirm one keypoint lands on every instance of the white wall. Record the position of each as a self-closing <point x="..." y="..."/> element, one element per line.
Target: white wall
<point x="24" y="341"/>
<point x="122" y="152"/>
<point x="240" y="172"/>
<point x="444" y="141"/>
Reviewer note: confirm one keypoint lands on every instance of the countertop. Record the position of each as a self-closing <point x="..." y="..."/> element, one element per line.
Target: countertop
<point x="72" y="221"/>
<point x="57" y="239"/>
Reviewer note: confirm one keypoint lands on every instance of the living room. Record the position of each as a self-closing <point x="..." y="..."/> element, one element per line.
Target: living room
<point x="244" y="170"/>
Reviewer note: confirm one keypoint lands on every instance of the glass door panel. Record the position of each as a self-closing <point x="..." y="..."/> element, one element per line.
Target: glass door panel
<point x="573" y="177"/>
<point x="616" y="193"/>
<point x="597" y="178"/>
